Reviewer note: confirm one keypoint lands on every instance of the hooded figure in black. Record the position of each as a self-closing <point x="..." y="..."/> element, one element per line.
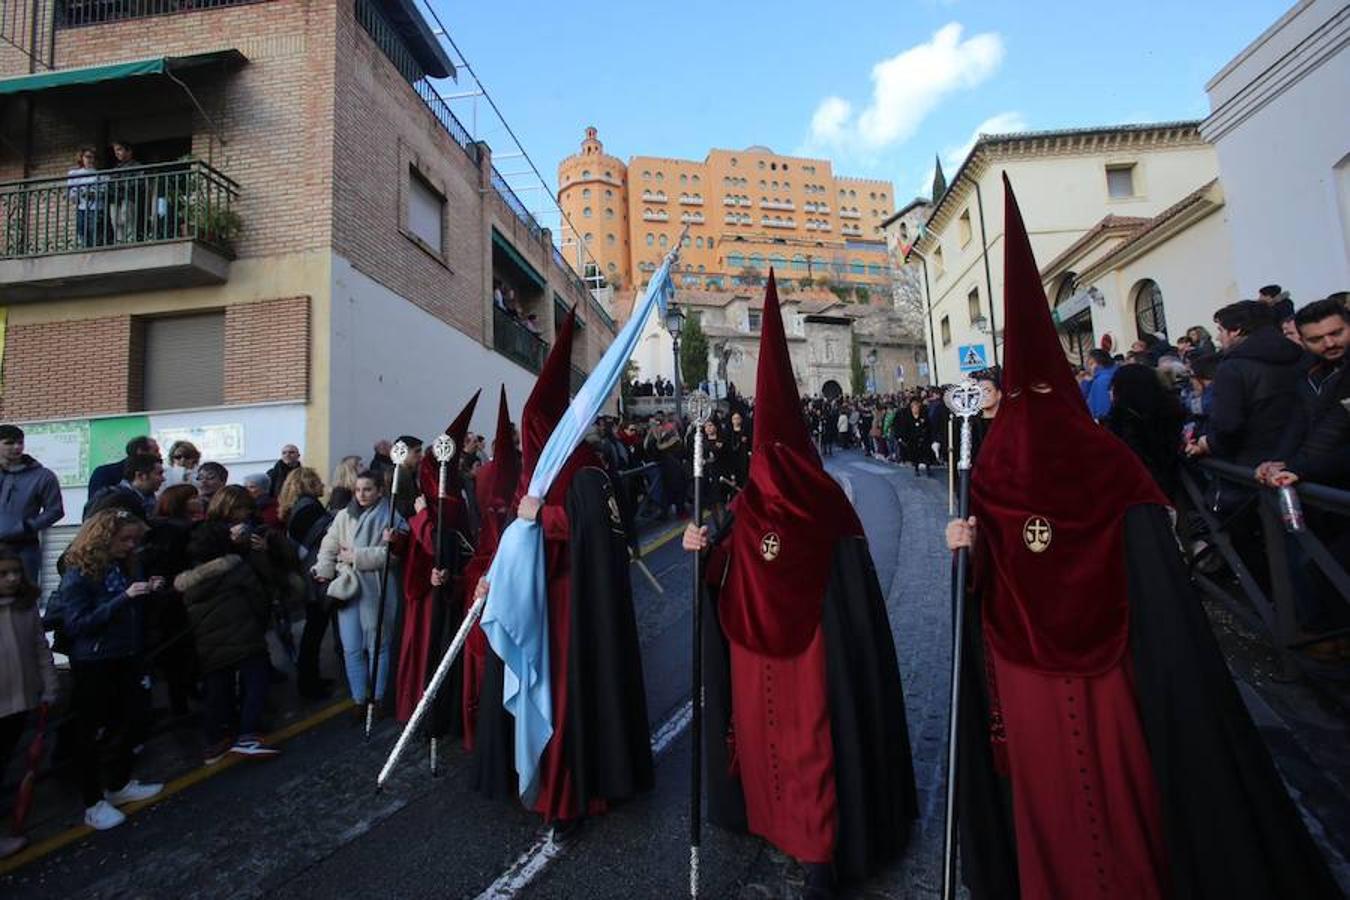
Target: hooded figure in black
<point x="600" y="751"/>
<point x="1104" y="749"/>
<point x="805" y="738"/>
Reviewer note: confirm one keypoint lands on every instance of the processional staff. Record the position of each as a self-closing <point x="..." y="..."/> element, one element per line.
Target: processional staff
<point x="398" y="454"/>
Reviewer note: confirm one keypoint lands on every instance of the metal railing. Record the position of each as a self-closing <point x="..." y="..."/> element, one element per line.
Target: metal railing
<point x="186" y="200"/>
<point x="511" y="200"/>
<point x="26" y="26"/>
<point x="391" y="43"/>
<point x="516" y="342"/>
<point x="1270" y="603"/>
<point x="77" y="13"/>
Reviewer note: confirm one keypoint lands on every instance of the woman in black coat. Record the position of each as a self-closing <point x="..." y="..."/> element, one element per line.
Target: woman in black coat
<point x="1148" y="419"/>
<point x="911" y="426"/>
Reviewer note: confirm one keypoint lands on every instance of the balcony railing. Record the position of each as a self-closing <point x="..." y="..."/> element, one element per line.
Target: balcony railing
<point x="167" y="202"/>
<point x="516" y="342"/>
<point x="658" y="216"/>
<point x="76" y="13"/>
<point x="649" y="197"/>
<point x="510" y="199"/>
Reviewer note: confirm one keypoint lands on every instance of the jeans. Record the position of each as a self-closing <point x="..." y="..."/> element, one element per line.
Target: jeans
<point x="356" y="642"/>
<point x="228" y="705"/>
<point x="108" y="701"/>
<point x="90" y="227"/>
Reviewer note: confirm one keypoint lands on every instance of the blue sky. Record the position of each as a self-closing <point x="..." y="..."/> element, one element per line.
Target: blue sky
<point x="878" y="87"/>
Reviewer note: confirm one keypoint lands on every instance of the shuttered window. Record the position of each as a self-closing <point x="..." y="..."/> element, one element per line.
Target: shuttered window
<point x="426" y="212"/>
<point x="185" y="361"/>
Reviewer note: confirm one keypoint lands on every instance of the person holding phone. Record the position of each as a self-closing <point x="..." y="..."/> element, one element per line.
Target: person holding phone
<point x="102" y="606"/>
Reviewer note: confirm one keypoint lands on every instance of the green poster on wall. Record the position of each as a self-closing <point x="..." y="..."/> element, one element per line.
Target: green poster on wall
<point x="108" y="437"/>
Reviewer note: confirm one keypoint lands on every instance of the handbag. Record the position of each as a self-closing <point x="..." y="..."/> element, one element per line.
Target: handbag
<point x="344" y="587"/>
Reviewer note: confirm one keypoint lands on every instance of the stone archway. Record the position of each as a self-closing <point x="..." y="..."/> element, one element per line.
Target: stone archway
<point x="831" y="390"/>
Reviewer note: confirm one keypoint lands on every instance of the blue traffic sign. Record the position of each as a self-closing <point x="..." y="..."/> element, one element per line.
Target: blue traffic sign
<point x="971" y="357"/>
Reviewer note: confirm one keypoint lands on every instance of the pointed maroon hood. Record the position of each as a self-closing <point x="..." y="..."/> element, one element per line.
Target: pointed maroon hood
<point x="1050" y="489"/>
<point x="548" y="401"/>
<point x="428" y="473"/>
<point x="505" y="457"/>
<point x="788" y="518"/>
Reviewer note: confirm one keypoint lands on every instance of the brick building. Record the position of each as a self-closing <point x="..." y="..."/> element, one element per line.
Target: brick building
<point x="304" y="248"/>
<point x="746" y="211"/>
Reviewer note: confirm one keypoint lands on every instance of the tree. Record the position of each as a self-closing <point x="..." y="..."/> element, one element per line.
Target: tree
<point x="805" y="282"/>
<point x="693" y="352"/>
<point x="857" y="374"/>
<point x="907" y="292"/>
<point x="863" y="294"/>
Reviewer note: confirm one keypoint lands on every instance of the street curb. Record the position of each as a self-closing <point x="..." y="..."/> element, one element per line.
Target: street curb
<point x="176" y="786"/>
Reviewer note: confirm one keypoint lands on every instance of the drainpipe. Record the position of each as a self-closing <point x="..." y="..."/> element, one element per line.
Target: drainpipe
<point x="928" y="304"/>
<point x="988" y="281"/>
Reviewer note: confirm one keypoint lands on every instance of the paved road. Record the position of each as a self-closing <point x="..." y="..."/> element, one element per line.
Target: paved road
<point x="310" y="824"/>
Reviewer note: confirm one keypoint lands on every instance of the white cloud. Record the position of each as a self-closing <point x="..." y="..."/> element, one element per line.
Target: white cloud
<point x="905" y="89"/>
<point x="1003" y="123"/>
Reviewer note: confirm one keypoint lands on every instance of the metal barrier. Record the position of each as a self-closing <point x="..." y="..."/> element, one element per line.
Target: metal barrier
<point x="1275" y="612"/>
<point x="154" y="204"/>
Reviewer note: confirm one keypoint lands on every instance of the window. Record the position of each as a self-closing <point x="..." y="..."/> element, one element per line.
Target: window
<point x="799" y="263"/>
<point x="938" y="265"/>
<point x="761" y="163"/>
<point x="660" y="176"/>
<point x="904" y="232"/>
<point x="426" y="212"/>
<point x="184" y="361"/>
<point x="1120" y="182"/>
<point x="608" y="174"/>
<point x="684" y="179"/>
<point x="589" y="237"/>
<point x="733" y="160"/>
<point x="874" y="270"/>
<point x="755" y="319"/>
<point x="586" y="213"/>
<point x="1148" y="309"/>
<point x="585" y="173"/>
<point x="662" y="241"/>
<point x="609" y="212"/>
<point x="646" y="175"/>
<point x="973" y="306"/>
<point x="710" y="243"/>
<point x="736" y="261"/>
<point x="694" y="179"/>
<point x="585" y="193"/>
<point x="609" y="239"/>
<point x="700" y="268"/>
<point x="946" y="331"/>
<point x="651" y="239"/>
<point x="756" y="261"/>
<point x="608" y="194"/>
<point x="963" y="227"/>
<point x="698" y="243"/>
<point x="857" y="267"/>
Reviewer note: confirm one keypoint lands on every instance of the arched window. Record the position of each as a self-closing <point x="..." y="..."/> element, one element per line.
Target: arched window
<point x="1148" y="309"/>
<point x="799" y="263"/>
<point x="1065" y="289"/>
<point x="589" y="237"/>
<point x="756" y="261"/>
<point x="778" y="262"/>
<point x="586" y="193"/>
<point x="736" y="261"/>
<point x="585" y="173"/>
<point x="904" y="232"/>
<point x="608" y="194"/>
<point x="651" y="239"/>
<point x="710" y="243"/>
<point x="686" y="241"/>
<point x="662" y="241"/>
<point x="586" y="213"/>
<point x="857" y="267"/>
<point x="694" y="179"/>
<point x="700" y="268"/>
<point x="698" y="242"/>
<point x="609" y="212"/>
<point x="609" y="239"/>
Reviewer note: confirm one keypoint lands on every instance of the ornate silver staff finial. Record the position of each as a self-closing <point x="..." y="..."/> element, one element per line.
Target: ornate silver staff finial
<point x="398" y="453"/>
<point x="965" y="400"/>
<point x="443" y="448"/>
<point x="700" y="407"/>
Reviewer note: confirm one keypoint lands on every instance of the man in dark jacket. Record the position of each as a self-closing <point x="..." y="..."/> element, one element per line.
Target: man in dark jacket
<point x="289" y="462"/>
<point x="143" y="476"/>
<point x="105" y="476"/>
<point x="1324" y="328"/>
<point x="1254" y="387"/>
<point x="30" y="500"/>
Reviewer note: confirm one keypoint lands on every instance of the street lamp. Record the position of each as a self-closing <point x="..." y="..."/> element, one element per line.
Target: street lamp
<point x="872" y="364"/>
<point x="675" y="324"/>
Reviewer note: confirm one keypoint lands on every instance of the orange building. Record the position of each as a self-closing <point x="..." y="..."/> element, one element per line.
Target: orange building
<point x="745" y="210"/>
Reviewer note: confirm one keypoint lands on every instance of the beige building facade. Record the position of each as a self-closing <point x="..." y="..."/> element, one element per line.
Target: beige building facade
<point x="1067" y="183"/>
<point x="745" y="211"/>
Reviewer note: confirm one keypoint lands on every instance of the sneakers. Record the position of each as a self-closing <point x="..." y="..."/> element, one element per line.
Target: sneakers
<point x="11" y="845"/>
<point x="102" y="816"/>
<point x="132" y="792"/>
<point x="253" y="747"/>
<point x="216" y="752"/>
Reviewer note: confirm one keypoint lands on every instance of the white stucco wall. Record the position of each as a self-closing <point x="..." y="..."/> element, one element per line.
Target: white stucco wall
<point x="1281" y="124"/>
<point x="396" y="369"/>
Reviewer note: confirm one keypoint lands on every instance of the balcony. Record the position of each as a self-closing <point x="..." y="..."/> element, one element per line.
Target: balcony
<point x="77" y="13"/>
<point x="516" y="342"/>
<point x="849" y="214"/>
<point x="658" y="216"/>
<point x="771" y="223"/>
<point x="654" y="197"/>
<point x="695" y="218"/>
<point x="691" y="199"/>
<point x="776" y="204"/>
<point x="729" y="201"/>
<point x="169" y="225"/>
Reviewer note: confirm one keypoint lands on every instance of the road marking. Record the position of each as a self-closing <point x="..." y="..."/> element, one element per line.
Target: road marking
<point x="176" y="786"/>
<point x="662" y="539"/>
<point x="530" y="864"/>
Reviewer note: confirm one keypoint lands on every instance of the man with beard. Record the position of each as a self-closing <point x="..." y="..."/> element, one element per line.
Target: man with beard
<point x="805" y="735"/>
<point x="600" y="749"/>
<point x="1104" y="750"/>
<point x="433" y="597"/>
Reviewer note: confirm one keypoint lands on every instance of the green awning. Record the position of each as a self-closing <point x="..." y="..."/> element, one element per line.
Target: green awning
<point x="161" y="65"/>
<point x="521" y="262"/>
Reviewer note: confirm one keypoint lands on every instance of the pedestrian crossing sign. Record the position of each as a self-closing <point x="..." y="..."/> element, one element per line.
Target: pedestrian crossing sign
<point x="971" y="357"/>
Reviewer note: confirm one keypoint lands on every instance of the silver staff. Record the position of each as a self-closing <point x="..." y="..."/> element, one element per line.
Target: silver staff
<point x="964" y="400"/>
<point x="443" y="448"/>
<point x="700" y="410"/>
<point x="398" y="454"/>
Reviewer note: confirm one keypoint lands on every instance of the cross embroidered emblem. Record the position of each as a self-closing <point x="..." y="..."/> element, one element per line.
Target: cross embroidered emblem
<point x="1036" y="534"/>
<point x="770" y="546"/>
